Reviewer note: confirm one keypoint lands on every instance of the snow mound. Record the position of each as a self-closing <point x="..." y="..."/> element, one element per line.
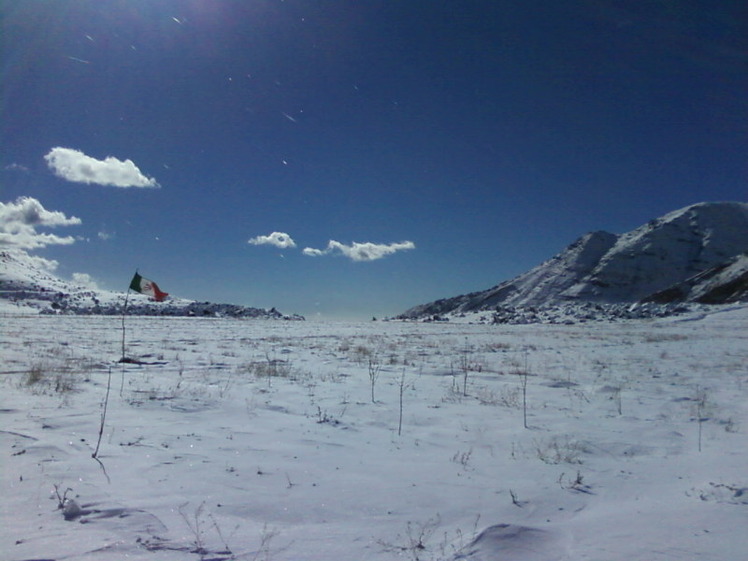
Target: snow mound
<point x="519" y="543"/>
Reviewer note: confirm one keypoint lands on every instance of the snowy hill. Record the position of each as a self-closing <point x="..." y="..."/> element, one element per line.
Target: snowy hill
<point x="605" y="269"/>
<point x="27" y="286"/>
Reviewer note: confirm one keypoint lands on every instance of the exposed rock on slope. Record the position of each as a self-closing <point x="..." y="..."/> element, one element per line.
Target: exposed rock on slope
<point x="608" y="269"/>
<point x="725" y="283"/>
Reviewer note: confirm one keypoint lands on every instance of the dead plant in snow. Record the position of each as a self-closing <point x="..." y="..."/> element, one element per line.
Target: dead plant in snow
<point x="199" y="524"/>
<point x="375" y="368"/>
<point x="559" y="451"/>
<point x="414" y="542"/>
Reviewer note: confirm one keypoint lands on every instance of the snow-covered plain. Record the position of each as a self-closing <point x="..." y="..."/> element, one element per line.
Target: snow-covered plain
<point x="259" y="440"/>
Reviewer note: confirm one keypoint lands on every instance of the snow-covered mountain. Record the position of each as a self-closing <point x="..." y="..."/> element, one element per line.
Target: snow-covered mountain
<point x="608" y="269"/>
<point x="27" y="286"/>
<point x="666" y="251"/>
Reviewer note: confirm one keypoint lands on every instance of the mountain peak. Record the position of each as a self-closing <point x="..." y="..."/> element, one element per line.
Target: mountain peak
<point x="626" y="268"/>
<point x="666" y="251"/>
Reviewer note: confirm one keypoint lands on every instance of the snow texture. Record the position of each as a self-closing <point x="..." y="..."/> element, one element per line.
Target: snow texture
<point x="272" y="440"/>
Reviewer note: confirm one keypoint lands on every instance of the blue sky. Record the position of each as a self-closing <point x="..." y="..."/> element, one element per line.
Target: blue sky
<point x="464" y="142"/>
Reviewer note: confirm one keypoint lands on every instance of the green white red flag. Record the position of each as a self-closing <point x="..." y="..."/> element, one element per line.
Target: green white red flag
<point x="147" y="287"/>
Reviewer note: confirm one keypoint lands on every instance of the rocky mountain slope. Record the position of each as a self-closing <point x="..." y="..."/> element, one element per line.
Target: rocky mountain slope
<point x="26" y="287"/>
<point x="727" y="282"/>
<point x="689" y="255"/>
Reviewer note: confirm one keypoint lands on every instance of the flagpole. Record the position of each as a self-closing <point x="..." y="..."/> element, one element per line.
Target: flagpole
<point x="124" y="313"/>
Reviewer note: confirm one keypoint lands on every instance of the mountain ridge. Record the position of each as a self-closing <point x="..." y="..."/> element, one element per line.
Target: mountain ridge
<point x="26" y="287"/>
<point x="616" y="269"/>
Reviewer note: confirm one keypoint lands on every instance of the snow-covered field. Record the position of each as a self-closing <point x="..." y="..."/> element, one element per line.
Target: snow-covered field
<point x="260" y="440"/>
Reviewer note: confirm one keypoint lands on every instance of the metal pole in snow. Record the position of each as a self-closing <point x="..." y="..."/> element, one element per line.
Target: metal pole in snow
<point x="124" y="313"/>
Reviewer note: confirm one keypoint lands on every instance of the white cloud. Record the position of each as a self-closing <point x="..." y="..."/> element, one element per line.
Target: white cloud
<point x="33" y="240"/>
<point x="16" y="167"/>
<point x="313" y="252"/>
<point x="85" y="280"/>
<point x="366" y="251"/>
<point x="20" y="219"/>
<point x="74" y="165"/>
<point x="278" y="239"/>
<point x="49" y="265"/>
<point x="29" y="211"/>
